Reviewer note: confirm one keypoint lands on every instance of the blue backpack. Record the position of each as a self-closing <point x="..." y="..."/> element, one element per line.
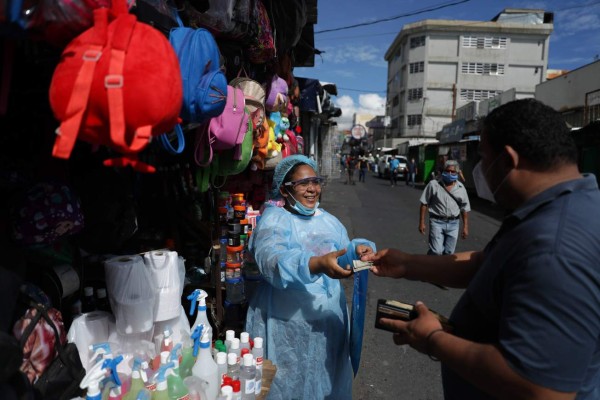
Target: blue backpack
<point x="204" y="83"/>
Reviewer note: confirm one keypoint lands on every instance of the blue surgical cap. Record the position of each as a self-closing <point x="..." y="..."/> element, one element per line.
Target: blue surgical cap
<point x="284" y="167"/>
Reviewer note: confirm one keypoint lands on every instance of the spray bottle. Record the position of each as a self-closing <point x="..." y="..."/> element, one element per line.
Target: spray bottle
<point x="100" y="352"/>
<point x="138" y="379"/>
<point x="187" y="356"/>
<point x="205" y="367"/>
<point x="161" y="392"/>
<point x="199" y="296"/>
<point x="114" y="381"/>
<point x="176" y="388"/>
<point x="167" y="341"/>
<point x="92" y="381"/>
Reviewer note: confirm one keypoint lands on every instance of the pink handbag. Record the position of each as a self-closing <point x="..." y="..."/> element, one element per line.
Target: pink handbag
<point x="225" y="131"/>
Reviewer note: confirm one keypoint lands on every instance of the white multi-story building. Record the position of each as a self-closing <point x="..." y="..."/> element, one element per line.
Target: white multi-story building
<point x="437" y="66"/>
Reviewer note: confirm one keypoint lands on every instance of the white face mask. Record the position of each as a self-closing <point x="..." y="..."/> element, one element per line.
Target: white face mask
<point x="481" y="185"/>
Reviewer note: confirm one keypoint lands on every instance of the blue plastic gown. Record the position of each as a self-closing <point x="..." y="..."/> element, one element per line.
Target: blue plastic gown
<point x="302" y="317"/>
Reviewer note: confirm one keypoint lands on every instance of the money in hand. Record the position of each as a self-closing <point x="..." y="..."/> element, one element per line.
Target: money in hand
<point x="358" y="265"/>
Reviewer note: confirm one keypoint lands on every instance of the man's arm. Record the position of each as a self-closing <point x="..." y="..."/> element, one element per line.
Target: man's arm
<point x="465" y="218"/>
<point x="422" y="213"/>
<point x="484" y="366"/>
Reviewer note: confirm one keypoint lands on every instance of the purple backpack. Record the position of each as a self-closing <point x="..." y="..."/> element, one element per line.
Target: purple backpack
<point x="277" y="95"/>
<point x="225" y="131"/>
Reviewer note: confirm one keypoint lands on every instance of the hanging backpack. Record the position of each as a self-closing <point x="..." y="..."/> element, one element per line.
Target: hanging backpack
<point x="277" y="95"/>
<point x="225" y="131"/>
<point x="204" y="84"/>
<point x="254" y="95"/>
<point x="262" y="47"/>
<point x="117" y="85"/>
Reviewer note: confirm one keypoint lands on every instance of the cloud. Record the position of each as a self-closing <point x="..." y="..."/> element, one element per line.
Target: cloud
<point x="368" y="103"/>
<point x="572" y="21"/>
<point x="355" y="53"/>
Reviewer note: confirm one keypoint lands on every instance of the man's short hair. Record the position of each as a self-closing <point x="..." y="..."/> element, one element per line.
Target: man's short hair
<point x="536" y="131"/>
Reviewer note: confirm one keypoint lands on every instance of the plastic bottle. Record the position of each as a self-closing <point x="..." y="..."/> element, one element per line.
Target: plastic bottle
<point x="218" y="346"/>
<point x="92" y="380"/>
<point x="175" y="386"/>
<point x="233" y="368"/>
<point x="102" y="303"/>
<point x="227" y="392"/>
<point x="167" y="342"/>
<point x="258" y="352"/>
<point x="187" y="356"/>
<point x="229" y="335"/>
<point x="205" y="367"/>
<point x="196" y="387"/>
<point x="144" y="394"/>
<point x="112" y="389"/>
<point x="244" y="340"/>
<point x="174" y="358"/>
<point x="162" y="391"/>
<point x="198" y="296"/>
<point x="235" y="348"/>
<point x="221" y="360"/>
<point x="138" y="379"/>
<point x="237" y="391"/>
<point x="88" y="304"/>
<point x="247" y="377"/>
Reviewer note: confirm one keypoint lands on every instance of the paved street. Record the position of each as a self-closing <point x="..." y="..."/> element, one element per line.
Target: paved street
<point x="389" y="216"/>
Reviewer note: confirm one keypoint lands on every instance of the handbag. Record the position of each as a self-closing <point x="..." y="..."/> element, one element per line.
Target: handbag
<point x="60" y="379"/>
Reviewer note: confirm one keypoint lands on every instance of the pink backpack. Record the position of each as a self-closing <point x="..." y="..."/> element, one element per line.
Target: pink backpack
<point x="225" y="131"/>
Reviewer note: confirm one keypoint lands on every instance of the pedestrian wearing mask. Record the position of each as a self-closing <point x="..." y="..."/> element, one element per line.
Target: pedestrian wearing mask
<point x="528" y="323"/>
<point x="445" y="201"/>
<point x="300" y="306"/>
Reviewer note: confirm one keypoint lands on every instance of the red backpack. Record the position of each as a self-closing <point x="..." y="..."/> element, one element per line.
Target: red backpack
<point x="117" y="84"/>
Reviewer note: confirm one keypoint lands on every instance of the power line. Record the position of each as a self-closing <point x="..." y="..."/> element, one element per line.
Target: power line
<point x="362" y="90"/>
<point x="409" y="14"/>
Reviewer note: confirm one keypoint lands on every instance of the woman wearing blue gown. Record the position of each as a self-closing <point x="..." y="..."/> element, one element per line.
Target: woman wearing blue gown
<point x="299" y="309"/>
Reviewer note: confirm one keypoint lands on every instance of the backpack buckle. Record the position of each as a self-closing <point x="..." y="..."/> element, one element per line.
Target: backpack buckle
<point x="92" y="55"/>
<point x="113" y="81"/>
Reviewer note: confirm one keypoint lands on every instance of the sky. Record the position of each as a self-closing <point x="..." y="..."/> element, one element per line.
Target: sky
<point x="353" y="58"/>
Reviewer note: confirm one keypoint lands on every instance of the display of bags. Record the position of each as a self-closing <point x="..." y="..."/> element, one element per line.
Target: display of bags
<point x="224" y="132"/>
<point x="262" y="47"/>
<point x="117" y="85"/>
<point x="204" y="84"/>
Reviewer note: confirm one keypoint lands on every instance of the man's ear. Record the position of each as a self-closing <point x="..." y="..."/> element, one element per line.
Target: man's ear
<point x="514" y="156"/>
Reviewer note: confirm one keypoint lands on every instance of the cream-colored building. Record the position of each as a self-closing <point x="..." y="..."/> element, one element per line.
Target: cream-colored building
<point x="437" y="66"/>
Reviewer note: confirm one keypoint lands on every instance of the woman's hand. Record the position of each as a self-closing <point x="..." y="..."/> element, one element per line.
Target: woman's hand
<point x="327" y="264"/>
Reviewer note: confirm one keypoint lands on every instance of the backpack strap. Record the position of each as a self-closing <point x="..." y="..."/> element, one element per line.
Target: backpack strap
<point x="69" y="128"/>
<point x="203" y="136"/>
<point x="166" y="142"/>
<point x="113" y="82"/>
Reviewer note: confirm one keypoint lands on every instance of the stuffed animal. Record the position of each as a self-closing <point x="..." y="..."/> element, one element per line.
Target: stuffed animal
<point x="273" y="148"/>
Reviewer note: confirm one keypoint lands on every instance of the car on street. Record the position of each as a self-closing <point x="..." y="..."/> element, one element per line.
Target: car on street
<point x="383" y="166"/>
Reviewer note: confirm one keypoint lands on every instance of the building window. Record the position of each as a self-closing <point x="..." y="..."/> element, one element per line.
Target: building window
<point x="477" y="95"/>
<point x="395" y="101"/>
<point x="415" y="94"/>
<point x="414" y="119"/>
<point x="482" y="42"/>
<point x="482" y="68"/>
<point x="417" y="67"/>
<point x="417" y="41"/>
<point x="398" y="54"/>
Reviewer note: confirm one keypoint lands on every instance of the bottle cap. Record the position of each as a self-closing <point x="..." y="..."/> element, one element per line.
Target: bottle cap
<point x="231" y="358"/>
<point x="226" y="390"/>
<point x="101" y="293"/>
<point x="229" y="334"/>
<point x="258" y="342"/>
<point x="244" y="337"/>
<point x="245" y="351"/>
<point x="88" y="291"/>
<point x="235" y="343"/>
<point x="221" y="358"/>
<point x="236" y="386"/>
<point x="227" y="380"/>
<point x="248" y="360"/>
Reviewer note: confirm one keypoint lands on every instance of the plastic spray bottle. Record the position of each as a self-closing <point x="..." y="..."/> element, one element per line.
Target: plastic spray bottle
<point x="205" y="367"/>
<point x="114" y="393"/>
<point x="100" y="351"/>
<point x="199" y="296"/>
<point x="176" y="388"/>
<point x="92" y="381"/>
<point x="187" y="356"/>
<point x="138" y="379"/>
<point x="162" y="391"/>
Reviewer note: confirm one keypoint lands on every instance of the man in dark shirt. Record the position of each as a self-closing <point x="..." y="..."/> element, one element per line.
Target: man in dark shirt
<point x="528" y="324"/>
